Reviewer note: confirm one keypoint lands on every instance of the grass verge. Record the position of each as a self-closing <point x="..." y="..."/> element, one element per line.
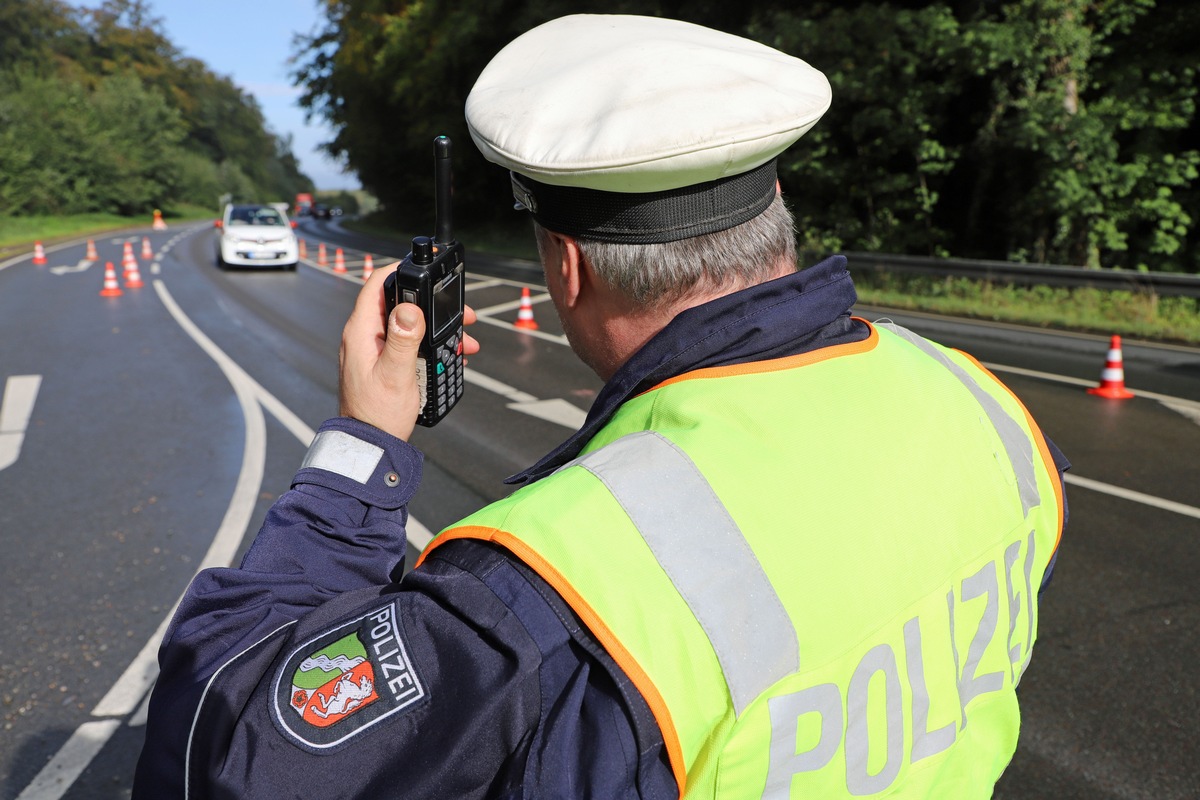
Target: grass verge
<point x="1141" y="315"/>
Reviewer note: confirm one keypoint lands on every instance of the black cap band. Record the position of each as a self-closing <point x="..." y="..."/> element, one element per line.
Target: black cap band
<point x="649" y="217"/>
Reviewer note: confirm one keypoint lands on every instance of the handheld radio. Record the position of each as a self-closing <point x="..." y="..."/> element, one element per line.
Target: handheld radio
<point x="432" y="276"/>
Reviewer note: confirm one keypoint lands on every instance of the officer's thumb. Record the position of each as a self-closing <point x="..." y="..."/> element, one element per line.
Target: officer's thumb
<point x="406" y="327"/>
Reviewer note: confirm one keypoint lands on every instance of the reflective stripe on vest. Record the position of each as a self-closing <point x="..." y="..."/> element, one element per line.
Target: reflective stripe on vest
<point x="1016" y="443"/>
<point x="708" y="560"/>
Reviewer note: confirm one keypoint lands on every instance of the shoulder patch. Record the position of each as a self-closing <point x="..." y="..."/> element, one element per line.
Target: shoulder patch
<point x="345" y="680"/>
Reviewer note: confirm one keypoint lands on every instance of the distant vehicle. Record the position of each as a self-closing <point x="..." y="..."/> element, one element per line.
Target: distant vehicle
<point x="256" y="236"/>
<point x="321" y="211"/>
<point x="304" y="203"/>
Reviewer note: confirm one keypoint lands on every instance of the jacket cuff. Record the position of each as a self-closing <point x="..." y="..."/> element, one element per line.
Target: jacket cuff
<point x="361" y="461"/>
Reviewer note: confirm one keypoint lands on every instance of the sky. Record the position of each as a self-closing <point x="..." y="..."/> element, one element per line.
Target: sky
<point x="250" y="43"/>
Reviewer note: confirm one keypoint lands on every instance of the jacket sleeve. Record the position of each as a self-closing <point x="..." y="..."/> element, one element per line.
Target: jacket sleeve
<point x="340" y="528"/>
<point x="481" y="683"/>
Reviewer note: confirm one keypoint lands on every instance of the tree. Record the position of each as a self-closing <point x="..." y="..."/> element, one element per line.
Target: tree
<point x="99" y="111"/>
<point x="390" y="75"/>
<point x="113" y="148"/>
<point x="1044" y="130"/>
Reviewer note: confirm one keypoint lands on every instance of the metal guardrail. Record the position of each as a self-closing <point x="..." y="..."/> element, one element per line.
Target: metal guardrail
<point x="1162" y="283"/>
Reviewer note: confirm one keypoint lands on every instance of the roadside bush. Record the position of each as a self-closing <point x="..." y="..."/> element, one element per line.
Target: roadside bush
<point x="65" y="149"/>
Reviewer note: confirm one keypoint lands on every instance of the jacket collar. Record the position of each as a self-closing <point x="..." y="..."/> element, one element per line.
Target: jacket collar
<point x="803" y="311"/>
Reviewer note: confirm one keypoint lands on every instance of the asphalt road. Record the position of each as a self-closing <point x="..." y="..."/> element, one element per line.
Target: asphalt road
<point x="144" y="436"/>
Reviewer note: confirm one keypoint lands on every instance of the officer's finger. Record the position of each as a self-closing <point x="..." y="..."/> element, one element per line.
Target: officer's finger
<point x="370" y="306"/>
<point x="406" y="327"/>
<point x="362" y="336"/>
<point x="470" y="345"/>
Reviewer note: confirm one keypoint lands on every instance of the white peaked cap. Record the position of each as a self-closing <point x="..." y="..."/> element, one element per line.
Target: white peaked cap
<point x="621" y="104"/>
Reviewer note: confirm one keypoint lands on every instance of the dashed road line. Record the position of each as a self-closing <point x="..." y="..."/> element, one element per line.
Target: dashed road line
<point x="1136" y="497"/>
<point x="20" y="393"/>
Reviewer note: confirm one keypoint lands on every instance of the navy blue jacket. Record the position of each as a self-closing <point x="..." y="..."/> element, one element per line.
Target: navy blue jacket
<point x="313" y="671"/>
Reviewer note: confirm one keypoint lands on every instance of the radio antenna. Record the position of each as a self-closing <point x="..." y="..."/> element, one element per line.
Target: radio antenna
<point x="443" y="220"/>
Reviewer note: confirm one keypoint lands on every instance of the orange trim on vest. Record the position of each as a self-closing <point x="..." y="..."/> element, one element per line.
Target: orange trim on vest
<point x="612" y="645"/>
<point x="1043" y="449"/>
<point x="787" y="362"/>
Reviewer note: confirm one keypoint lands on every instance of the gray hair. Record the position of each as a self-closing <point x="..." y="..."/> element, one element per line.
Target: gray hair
<point x="659" y="274"/>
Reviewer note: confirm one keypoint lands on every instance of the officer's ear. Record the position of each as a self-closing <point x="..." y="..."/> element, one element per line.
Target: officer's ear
<point x="572" y="271"/>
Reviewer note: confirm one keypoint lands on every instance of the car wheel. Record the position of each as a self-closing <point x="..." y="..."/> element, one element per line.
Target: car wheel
<point x="290" y="267"/>
<point x="220" y="262"/>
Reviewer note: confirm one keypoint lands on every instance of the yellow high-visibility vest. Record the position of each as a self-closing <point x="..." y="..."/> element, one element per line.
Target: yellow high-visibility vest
<point x="821" y="571"/>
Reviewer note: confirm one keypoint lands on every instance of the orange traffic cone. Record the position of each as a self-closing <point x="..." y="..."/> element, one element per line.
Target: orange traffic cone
<point x="133" y="278"/>
<point x="92" y="255"/>
<point x="525" y="319"/>
<point x="39" y="254"/>
<point x="321" y="260"/>
<point x="368" y="266"/>
<point x="159" y="224"/>
<point x="303" y="249"/>
<point x="1112" y="379"/>
<point x="111" y="287"/>
<point x="339" y="261"/>
<point x="147" y="252"/>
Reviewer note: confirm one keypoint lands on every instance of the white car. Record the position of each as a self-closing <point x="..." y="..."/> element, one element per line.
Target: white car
<point x="256" y="236"/>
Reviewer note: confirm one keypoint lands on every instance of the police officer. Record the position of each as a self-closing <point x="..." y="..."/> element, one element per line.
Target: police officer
<point x="790" y="553"/>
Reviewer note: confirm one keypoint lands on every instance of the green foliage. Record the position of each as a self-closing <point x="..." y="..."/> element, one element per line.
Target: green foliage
<point x="1061" y="131"/>
<point x="1097" y="143"/>
<point x="390" y="75"/>
<point x="871" y="173"/>
<point x="112" y="148"/>
<point x="99" y="112"/>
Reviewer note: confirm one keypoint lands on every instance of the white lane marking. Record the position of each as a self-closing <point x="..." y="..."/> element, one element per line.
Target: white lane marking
<point x="1187" y="408"/>
<point x="556" y="410"/>
<point x="418" y="535"/>
<point x="70" y="761"/>
<point x="79" y="267"/>
<point x="1181" y="405"/>
<point x="485" y="283"/>
<point x="501" y="308"/>
<point x="475" y="378"/>
<point x="138" y="677"/>
<point x="549" y="337"/>
<point x="46" y="250"/>
<point x="486" y="314"/>
<point x="20" y="393"/>
<point x="1137" y="497"/>
<point x="142" y="714"/>
<point x="135" y="682"/>
<point x="63" y="245"/>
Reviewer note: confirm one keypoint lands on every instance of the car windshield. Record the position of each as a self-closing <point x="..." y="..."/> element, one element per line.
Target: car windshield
<point x="254" y="215"/>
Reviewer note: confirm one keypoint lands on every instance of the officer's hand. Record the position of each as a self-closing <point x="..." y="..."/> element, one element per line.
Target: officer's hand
<point x="378" y="371"/>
